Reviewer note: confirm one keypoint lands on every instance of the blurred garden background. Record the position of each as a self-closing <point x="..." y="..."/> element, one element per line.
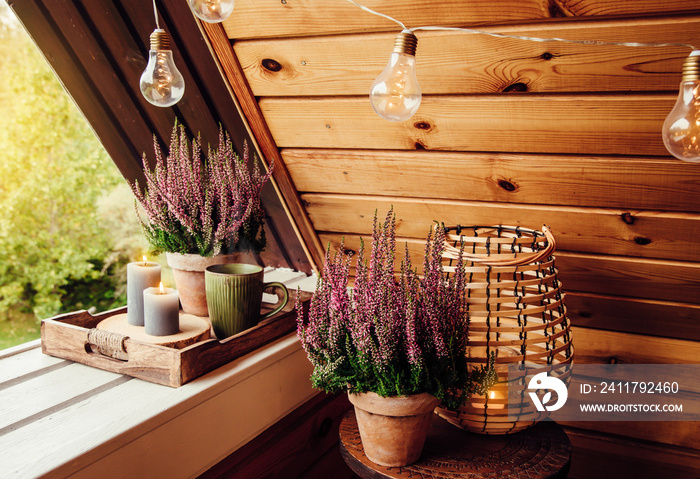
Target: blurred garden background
<point x="67" y="220"/>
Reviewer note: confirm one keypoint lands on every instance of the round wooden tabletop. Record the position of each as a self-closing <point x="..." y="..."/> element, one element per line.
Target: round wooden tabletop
<point x="193" y="329"/>
<point x="542" y="451"/>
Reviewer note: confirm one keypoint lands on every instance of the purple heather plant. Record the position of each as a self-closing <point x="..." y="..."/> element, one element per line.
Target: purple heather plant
<point x="392" y="336"/>
<point x="202" y="207"/>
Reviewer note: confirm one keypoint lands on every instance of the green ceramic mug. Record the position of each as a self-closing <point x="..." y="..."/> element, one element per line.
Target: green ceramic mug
<point x="234" y="297"/>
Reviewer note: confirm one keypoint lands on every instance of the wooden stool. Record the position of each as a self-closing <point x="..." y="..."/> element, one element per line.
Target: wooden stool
<point x="542" y="451"/>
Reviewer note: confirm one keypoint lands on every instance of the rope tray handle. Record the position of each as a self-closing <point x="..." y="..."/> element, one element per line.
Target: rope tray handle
<point x="108" y="343"/>
<point x="501" y="259"/>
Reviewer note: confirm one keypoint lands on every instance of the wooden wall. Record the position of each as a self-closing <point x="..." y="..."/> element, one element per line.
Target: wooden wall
<point x="509" y="132"/>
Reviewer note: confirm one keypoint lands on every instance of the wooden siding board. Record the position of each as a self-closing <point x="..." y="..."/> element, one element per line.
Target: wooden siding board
<point x="271" y="18"/>
<point x="632" y="315"/>
<point x="590" y="274"/>
<point x="572" y="124"/>
<point x="613" y="455"/>
<point x="593" y="346"/>
<point x="601" y="299"/>
<point x="463" y="63"/>
<point x="652" y="235"/>
<point x="580" y="8"/>
<point x="268" y="18"/>
<point x="628" y="182"/>
<point x="631" y="277"/>
<point x="674" y="433"/>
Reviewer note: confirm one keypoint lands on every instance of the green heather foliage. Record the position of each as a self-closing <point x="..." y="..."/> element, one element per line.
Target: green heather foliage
<point x="53" y="171"/>
<point x="392" y="336"/>
<point x="202" y="207"/>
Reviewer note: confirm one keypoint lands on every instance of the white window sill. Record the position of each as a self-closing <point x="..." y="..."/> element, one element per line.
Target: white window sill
<point x="59" y="418"/>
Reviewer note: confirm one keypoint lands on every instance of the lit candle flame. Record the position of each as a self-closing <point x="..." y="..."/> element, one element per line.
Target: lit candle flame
<point x="145" y="260"/>
<point x="162" y="290"/>
<point x="492" y="395"/>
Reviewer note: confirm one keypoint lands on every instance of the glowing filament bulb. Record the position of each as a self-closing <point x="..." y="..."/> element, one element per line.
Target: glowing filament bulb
<point x="395" y="94"/>
<point x="681" y="131"/>
<point x="212" y="11"/>
<point x="161" y="82"/>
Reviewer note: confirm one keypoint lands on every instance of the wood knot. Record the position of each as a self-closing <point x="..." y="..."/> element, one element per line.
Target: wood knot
<point x="641" y="240"/>
<point x="271" y="65"/>
<point x="419" y="146"/>
<point x="325" y="427"/>
<point x="349" y="252"/>
<point x="555" y="10"/>
<point x="507" y="185"/>
<point x="518" y="87"/>
<point x="546" y="56"/>
<point x="628" y="218"/>
<point x="422" y="125"/>
<point x="584" y="314"/>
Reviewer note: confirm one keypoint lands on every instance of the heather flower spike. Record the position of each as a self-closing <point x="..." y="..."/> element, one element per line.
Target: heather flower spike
<point x="397" y="333"/>
<point x="202" y="207"/>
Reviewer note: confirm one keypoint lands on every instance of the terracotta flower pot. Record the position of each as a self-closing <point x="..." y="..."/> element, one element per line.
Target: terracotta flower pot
<point x="393" y="429"/>
<point x="188" y="272"/>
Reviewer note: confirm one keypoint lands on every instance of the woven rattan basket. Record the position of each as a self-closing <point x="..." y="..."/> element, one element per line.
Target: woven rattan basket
<point x="517" y="311"/>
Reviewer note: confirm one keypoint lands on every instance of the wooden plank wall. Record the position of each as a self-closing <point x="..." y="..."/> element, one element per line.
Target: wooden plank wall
<point x="509" y="132"/>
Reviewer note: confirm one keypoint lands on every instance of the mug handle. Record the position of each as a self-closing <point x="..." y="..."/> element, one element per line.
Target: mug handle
<point x="283" y="303"/>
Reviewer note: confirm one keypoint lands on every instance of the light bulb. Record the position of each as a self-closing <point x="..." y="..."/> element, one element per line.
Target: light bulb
<point x="395" y="94"/>
<point x="681" y="131"/>
<point x="161" y="82"/>
<point x="212" y="11"/>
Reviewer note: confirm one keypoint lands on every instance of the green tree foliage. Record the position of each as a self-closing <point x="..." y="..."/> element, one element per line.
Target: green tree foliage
<point x="53" y="172"/>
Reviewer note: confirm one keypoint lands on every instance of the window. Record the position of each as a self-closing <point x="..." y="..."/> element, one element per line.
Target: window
<point x="67" y="224"/>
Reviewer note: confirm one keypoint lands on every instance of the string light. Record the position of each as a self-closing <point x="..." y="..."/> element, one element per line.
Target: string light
<point x="212" y="11"/>
<point x="391" y="94"/>
<point x="681" y="131"/>
<point x="395" y="94"/>
<point x="161" y="82"/>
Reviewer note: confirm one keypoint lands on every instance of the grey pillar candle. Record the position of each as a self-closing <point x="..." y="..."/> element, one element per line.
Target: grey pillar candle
<point x="161" y="311"/>
<point x="139" y="276"/>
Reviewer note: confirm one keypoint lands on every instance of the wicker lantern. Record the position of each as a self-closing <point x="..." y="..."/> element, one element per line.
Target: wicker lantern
<point x="517" y="312"/>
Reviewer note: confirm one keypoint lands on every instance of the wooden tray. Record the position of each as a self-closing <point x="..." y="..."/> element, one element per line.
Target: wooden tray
<point x="69" y="336"/>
